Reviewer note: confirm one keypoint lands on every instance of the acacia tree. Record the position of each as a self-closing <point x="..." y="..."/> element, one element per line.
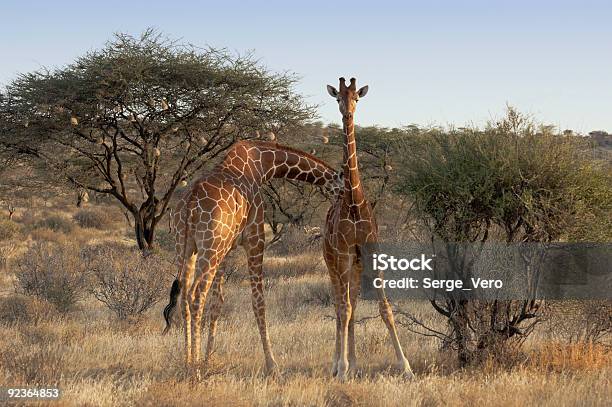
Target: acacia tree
<point x="511" y="182"/>
<point x="140" y="116"/>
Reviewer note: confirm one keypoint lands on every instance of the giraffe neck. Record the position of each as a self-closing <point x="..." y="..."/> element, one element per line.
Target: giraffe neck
<point x="261" y="161"/>
<point x="353" y="192"/>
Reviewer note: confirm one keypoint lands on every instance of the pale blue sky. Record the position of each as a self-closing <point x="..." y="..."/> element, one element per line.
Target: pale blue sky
<point x="427" y="62"/>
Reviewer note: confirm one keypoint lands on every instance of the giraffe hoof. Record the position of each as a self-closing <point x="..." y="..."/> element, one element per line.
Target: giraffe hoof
<point x="353" y="372"/>
<point x="193" y="375"/>
<point x="342" y="374"/>
<point x="405" y="372"/>
<point x="272" y="370"/>
<point x="408" y="375"/>
<point x="334" y="369"/>
<point x="342" y="378"/>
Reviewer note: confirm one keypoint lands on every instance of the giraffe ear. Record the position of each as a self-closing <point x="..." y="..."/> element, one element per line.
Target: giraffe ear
<point x="332" y="91"/>
<point x="363" y="91"/>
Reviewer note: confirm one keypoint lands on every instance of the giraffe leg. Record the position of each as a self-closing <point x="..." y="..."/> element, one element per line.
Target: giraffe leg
<point x="387" y="316"/>
<point x="215" y="311"/>
<point x="207" y="265"/>
<point x="186" y="302"/>
<point x="345" y="312"/>
<point x="187" y="327"/>
<point x="330" y="259"/>
<point x="196" y="324"/>
<point x="337" y="301"/>
<point x="353" y="296"/>
<point x="254" y="245"/>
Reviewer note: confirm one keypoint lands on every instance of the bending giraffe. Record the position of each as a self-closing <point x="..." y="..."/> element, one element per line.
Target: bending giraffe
<point x="351" y="224"/>
<point x="223" y="209"/>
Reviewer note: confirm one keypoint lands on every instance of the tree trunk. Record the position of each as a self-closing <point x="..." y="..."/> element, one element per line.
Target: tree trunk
<point x="145" y="232"/>
<point x="462" y="334"/>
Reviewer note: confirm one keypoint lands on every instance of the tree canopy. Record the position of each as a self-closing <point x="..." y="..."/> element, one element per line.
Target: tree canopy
<point x="139" y="117"/>
<point x="513" y="175"/>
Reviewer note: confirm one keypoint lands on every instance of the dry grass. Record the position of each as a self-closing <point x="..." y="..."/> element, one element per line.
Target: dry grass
<point x="8" y="229"/>
<point x="102" y="363"/>
<point x="575" y="357"/>
<point x="97" y="360"/>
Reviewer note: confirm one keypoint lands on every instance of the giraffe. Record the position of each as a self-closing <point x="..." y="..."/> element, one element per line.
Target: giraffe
<point x="222" y="210"/>
<point x="349" y="225"/>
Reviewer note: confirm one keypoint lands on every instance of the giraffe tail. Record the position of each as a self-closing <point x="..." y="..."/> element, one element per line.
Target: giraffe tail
<point x="174" y="292"/>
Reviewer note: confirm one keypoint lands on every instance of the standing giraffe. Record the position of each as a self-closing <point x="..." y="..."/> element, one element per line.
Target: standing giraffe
<point x="225" y="208"/>
<point x="351" y="224"/>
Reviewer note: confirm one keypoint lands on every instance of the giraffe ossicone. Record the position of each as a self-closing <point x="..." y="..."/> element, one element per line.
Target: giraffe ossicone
<point x="223" y="209"/>
<point x="350" y="224"/>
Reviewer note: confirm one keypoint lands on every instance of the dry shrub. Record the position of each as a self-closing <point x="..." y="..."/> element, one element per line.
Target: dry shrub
<point x="8" y="229"/>
<point x="18" y="308"/>
<point x="165" y="239"/>
<point x="235" y="267"/>
<point x="6" y="252"/>
<point x="54" y="222"/>
<point x="52" y="272"/>
<point x="297" y="240"/>
<point x="586" y="321"/>
<point x="294" y="266"/>
<point x="93" y="218"/>
<point x="294" y="295"/>
<point x="124" y="280"/>
<point x="320" y="294"/>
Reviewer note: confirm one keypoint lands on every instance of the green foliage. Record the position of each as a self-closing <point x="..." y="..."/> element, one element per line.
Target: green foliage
<point x="517" y="177"/>
<point x="593" y="204"/>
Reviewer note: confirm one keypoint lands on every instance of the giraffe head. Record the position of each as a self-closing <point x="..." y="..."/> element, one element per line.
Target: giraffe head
<point x="347" y="96"/>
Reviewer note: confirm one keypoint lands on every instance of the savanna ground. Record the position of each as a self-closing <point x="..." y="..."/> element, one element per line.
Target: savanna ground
<point x="98" y="359"/>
